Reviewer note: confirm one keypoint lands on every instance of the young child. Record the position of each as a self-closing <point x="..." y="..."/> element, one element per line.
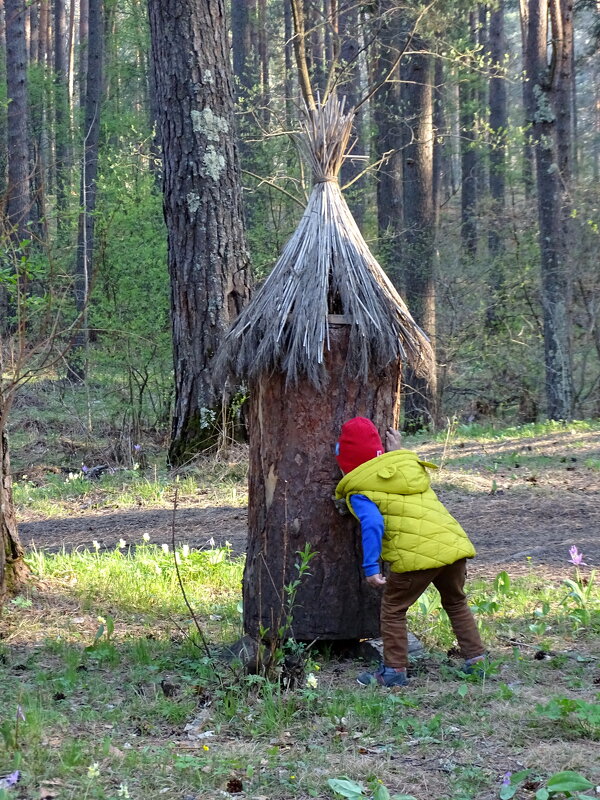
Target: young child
<point x="403" y="522"/>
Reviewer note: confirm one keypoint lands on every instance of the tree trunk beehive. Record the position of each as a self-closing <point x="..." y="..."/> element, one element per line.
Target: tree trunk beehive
<point x="293" y="474"/>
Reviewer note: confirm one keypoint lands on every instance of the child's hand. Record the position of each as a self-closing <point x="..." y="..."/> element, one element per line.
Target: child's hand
<point x="376" y="581"/>
<point x="393" y="439"/>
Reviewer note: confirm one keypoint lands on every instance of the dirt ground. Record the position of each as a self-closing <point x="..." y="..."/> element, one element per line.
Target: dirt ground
<point x="520" y="517"/>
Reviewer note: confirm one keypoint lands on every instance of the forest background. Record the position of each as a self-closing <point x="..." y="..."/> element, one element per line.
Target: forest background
<point x="441" y="180"/>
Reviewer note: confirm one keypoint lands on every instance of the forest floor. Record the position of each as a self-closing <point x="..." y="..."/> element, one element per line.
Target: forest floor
<point x="107" y="692"/>
<point x="524" y="500"/>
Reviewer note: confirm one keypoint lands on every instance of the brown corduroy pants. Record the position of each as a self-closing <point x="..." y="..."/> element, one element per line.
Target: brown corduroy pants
<point x="402" y="589"/>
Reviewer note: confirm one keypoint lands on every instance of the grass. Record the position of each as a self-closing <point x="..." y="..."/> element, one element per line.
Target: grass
<point x="101" y="672"/>
<point x="102" y="659"/>
<point x="207" y="482"/>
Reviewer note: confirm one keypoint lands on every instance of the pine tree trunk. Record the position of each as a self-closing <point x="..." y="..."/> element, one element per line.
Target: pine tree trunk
<point x="208" y="261"/>
<point x="61" y="114"/>
<point x="469" y="159"/>
<point x="87" y="196"/>
<point x="420" y="399"/>
<point x="350" y="87"/>
<point x="292" y="478"/>
<point x="245" y="65"/>
<point x="440" y="135"/>
<point x="84" y="29"/>
<point x="3" y="114"/>
<point x="263" y="55"/>
<point x="288" y="32"/>
<point x="528" y="151"/>
<point x="498" y="121"/>
<point x="388" y="146"/>
<point x="34" y="33"/>
<point x="13" y="570"/>
<point x="18" y="203"/>
<point x="315" y="43"/>
<point x="543" y="93"/>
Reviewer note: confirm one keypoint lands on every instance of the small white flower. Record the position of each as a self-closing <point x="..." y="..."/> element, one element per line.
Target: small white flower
<point x="122" y="543"/>
<point x="94" y="770"/>
<point x="101" y="620"/>
<point x="211" y="542"/>
<point x="96" y="545"/>
<point x="185" y="550"/>
<point x="123" y="791"/>
<point x="312" y="681"/>
<point x="165" y="548"/>
<point x="146" y="537"/>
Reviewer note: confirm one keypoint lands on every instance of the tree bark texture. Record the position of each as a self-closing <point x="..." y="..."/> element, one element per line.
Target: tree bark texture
<point x="61" y="112"/>
<point x="18" y="206"/>
<point x="528" y="152"/>
<point x="12" y="567"/>
<point x="349" y="30"/>
<point x="388" y="146"/>
<point x="3" y="111"/>
<point x="552" y="212"/>
<point x="498" y="120"/>
<point x="244" y="55"/>
<point x="89" y="173"/>
<point x="420" y="399"/>
<point x="440" y="137"/>
<point x="293" y="474"/>
<point x="469" y="157"/>
<point x="208" y="260"/>
<point x="315" y="43"/>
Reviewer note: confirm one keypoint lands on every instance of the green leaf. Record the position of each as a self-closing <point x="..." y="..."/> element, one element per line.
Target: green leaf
<point x="502" y="582"/>
<point x="346" y="788"/>
<point x="568" y="782"/>
<point x="381" y="793"/>
<point x="463" y="690"/>
<point x="542" y="794"/>
<point x="403" y="797"/>
<point x="99" y="633"/>
<point x="506" y="792"/>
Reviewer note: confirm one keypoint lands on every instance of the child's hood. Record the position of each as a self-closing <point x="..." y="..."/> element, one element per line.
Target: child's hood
<point x="396" y="472"/>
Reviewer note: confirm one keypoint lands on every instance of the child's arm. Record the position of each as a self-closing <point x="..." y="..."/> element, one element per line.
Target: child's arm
<point x="371" y="527"/>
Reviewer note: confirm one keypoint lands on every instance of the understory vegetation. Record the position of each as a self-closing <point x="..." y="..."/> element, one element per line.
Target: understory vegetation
<point x="117" y="697"/>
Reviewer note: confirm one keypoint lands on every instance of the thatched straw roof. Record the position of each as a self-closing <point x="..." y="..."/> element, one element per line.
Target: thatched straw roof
<point x="325" y="268"/>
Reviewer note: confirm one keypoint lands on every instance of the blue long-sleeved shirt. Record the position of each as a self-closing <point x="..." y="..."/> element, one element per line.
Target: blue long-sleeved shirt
<point x="371" y="527"/>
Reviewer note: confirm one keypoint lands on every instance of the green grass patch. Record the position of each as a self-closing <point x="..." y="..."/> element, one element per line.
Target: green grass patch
<point x="208" y="482"/>
<point x="498" y="430"/>
<point x="106" y="692"/>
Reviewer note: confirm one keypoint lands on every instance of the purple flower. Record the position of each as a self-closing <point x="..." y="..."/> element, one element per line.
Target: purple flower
<point x="137" y="447"/>
<point x="576" y="557"/>
<point x="84" y="469"/>
<point x="10" y="780"/>
<point x="506" y="779"/>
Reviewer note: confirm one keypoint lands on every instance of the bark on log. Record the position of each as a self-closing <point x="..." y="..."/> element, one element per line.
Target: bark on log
<point x="13" y="570"/>
<point x="293" y="474"/>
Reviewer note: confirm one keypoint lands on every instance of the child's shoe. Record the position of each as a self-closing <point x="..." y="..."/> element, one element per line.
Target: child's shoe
<point x="476" y="666"/>
<point x="385" y="676"/>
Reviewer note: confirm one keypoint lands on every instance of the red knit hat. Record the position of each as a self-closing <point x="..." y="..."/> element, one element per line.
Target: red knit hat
<point x="359" y="442"/>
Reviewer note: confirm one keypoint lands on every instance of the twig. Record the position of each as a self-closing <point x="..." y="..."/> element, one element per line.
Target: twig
<point x="181" y="586"/>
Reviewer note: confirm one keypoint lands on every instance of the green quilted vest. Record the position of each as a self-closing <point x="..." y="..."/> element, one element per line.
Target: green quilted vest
<point x="419" y="532"/>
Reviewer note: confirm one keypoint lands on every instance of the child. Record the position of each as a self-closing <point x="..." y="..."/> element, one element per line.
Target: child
<point x="403" y="522"/>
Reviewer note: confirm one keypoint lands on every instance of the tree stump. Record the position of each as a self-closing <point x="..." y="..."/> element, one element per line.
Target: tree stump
<point x="292" y="478"/>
